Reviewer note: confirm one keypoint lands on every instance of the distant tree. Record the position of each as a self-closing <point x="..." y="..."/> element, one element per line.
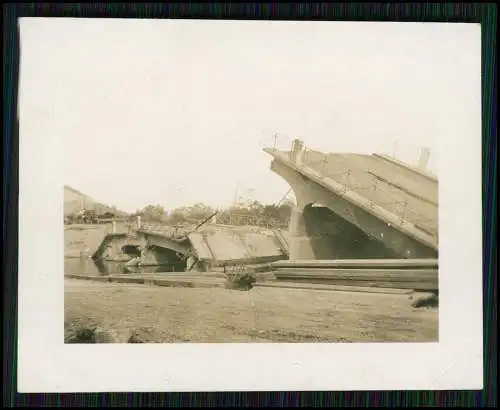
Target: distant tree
<point x="277" y="215"/>
<point x="256" y="208"/>
<point x="285" y="211"/>
<point x="153" y="213"/>
<point x="176" y="217"/>
<point x="200" y="211"/>
<point x="192" y="214"/>
<point x="271" y="211"/>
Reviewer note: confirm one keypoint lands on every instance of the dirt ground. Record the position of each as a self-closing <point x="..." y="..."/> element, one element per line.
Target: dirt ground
<point x="159" y="314"/>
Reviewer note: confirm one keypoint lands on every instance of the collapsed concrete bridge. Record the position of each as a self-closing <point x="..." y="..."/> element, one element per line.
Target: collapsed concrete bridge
<point x="208" y="247"/>
<point x="358" y="206"/>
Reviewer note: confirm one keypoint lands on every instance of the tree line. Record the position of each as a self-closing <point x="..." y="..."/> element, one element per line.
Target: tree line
<point x="255" y="213"/>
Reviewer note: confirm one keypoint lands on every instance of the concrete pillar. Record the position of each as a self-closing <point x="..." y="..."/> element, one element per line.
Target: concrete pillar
<point x="297" y="151"/>
<point x="423" y="159"/>
<point x="300" y="242"/>
<point x="138" y="222"/>
<point x="113" y="224"/>
<point x="300" y="152"/>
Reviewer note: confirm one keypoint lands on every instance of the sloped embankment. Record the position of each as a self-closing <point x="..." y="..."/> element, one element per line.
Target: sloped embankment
<point x="83" y="238"/>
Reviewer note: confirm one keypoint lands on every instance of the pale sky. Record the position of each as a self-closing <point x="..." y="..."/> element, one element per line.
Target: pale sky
<point x="174" y="112"/>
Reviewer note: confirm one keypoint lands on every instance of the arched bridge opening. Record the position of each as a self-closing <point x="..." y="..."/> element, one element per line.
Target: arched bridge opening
<point x="133" y="251"/>
<point x="160" y="256"/>
<point x="333" y="237"/>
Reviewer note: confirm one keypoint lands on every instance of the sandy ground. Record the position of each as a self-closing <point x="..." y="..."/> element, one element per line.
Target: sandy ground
<point x="157" y="314"/>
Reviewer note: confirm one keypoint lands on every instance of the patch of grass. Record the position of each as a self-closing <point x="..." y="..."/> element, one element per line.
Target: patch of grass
<point x="240" y="281"/>
<point x="431" y="301"/>
<point x="81" y="333"/>
<point x="135" y="339"/>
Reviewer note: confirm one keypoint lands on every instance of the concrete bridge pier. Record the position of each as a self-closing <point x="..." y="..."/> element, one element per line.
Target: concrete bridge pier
<point x="300" y="241"/>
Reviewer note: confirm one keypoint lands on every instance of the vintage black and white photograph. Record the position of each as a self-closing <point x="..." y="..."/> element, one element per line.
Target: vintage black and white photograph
<point x="249" y="182"/>
<point x="229" y="185"/>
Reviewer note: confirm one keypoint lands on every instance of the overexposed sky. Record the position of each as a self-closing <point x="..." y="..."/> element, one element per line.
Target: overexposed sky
<point x="174" y="112"/>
